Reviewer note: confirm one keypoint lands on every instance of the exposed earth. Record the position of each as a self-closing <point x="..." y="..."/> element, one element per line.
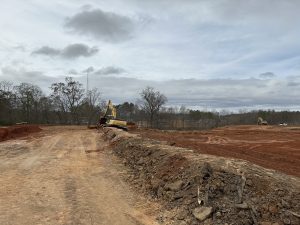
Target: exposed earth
<point x="203" y="189"/>
<point x="272" y="147"/>
<point x="17" y="131"/>
<point x="66" y="175"/>
<point x="74" y="175"/>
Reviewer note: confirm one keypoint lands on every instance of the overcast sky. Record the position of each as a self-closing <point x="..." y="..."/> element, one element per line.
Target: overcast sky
<point x="211" y="54"/>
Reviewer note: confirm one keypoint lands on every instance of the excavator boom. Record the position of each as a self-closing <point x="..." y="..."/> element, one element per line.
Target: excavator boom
<point x="110" y="110"/>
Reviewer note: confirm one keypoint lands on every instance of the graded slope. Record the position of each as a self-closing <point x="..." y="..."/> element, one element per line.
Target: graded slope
<point x="271" y="147"/>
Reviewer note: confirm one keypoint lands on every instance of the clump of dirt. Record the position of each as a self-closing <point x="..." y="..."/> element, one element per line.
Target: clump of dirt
<point x="17" y="131"/>
<point x="204" y="189"/>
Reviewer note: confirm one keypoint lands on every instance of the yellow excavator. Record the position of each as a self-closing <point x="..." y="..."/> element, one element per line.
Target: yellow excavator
<point x="260" y="121"/>
<point x="109" y="119"/>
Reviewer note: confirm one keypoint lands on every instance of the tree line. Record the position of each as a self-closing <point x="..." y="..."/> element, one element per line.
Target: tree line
<point x="69" y="103"/>
<point x="180" y="118"/>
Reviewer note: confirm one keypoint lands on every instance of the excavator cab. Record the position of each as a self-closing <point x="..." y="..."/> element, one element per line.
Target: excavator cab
<point x="109" y="119"/>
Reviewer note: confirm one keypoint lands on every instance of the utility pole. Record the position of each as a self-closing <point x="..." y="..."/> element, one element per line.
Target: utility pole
<point x="87" y="82"/>
<point x="87" y="87"/>
<point x="88" y="70"/>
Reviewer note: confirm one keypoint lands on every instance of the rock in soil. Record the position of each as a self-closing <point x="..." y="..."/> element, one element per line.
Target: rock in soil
<point x="202" y="213"/>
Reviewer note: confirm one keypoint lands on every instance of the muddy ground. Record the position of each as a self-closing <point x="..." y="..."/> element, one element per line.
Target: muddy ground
<point x="272" y="147"/>
<point x="66" y="175"/>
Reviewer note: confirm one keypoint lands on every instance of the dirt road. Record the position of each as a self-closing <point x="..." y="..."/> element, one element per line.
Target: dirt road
<point x="66" y="176"/>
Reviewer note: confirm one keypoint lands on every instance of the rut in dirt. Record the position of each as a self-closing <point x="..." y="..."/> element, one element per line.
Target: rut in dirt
<point x="66" y="176"/>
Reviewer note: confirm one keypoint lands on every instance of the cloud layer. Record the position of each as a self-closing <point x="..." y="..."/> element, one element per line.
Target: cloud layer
<point x="230" y="94"/>
<point x="71" y="51"/>
<point x="19" y="75"/>
<point x="110" y="70"/>
<point x="217" y="94"/>
<point x="216" y="53"/>
<point x="267" y="75"/>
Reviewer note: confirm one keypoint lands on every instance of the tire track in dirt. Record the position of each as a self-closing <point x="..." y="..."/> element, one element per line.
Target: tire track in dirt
<point x="26" y="178"/>
<point x="57" y="181"/>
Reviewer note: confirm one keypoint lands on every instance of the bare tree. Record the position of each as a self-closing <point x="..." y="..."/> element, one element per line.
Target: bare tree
<point x="183" y="111"/>
<point x="68" y="96"/>
<point x="6" y="86"/>
<point x="93" y="104"/>
<point x="59" y="101"/>
<point x="7" y="102"/>
<point x="28" y="96"/>
<point x="45" y="108"/>
<point x="152" y="101"/>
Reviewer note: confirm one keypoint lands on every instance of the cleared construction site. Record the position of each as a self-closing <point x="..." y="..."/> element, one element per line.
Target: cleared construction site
<point x="75" y="175"/>
<point x="131" y="112"/>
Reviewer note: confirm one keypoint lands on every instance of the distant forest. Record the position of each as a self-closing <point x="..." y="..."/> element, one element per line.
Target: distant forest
<point x="70" y="103"/>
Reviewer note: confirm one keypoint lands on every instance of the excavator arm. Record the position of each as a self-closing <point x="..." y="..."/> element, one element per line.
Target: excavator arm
<point x="110" y="118"/>
<point x="111" y="111"/>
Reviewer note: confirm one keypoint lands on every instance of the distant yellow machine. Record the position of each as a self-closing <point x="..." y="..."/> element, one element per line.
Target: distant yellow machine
<point x="260" y="121"/>
<point x="110" y="118"/>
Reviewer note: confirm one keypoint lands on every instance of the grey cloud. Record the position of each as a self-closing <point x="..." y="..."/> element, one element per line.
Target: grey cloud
<point x="106" y="26"/>
<point x="18" y="75"/>
<point x="239" y="12"/>
<point x="293" y="84"/>
<point x="21" y="48"/>
<point x="71" y="51"/>
<point x="73" y="72"/>
<point x="86" y="7"/>
<point x="77" y="50"/>
<point x="267" y="75"/>
<point x="46" y="50"/>
<point x="228" y="9"/>
<point x="110" y="70"/>
<point x="260" y="10"/>
<point x="89" y="70"/>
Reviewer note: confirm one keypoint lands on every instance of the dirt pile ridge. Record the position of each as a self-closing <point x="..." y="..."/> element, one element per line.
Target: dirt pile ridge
<point x="205" y="189"/>
<point x="17" y="131"/>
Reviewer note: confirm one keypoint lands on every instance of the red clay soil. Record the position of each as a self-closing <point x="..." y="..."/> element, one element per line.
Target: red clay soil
<point x="269" y="146"/>
<point x="17" y="131"/>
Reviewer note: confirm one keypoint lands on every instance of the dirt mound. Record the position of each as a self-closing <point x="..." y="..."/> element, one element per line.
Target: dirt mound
<point x="204" y="189"/>
<point x="17" y="131"/>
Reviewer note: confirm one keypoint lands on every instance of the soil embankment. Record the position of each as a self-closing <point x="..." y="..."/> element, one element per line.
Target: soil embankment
<point x="205" y="189"/>
<point x="17" y="131"/>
